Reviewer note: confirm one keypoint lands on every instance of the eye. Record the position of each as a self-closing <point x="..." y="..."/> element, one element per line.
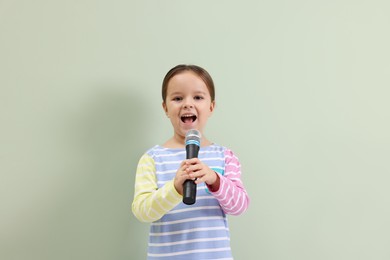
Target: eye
<point x="198" y="97"/>
<point x="177" y="99"/>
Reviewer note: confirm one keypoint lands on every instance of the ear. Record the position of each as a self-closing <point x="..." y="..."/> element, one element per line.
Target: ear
<point x="212" y="106"/>
<point x="165" y="108"/>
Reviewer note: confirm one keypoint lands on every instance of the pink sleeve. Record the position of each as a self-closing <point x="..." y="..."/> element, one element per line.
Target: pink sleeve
<point x="231" y="194"/>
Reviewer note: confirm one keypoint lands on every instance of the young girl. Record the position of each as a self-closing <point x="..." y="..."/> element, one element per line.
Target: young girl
<point x="180" y="231"/>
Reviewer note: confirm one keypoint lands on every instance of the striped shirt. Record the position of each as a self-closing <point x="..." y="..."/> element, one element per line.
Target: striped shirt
<point x="180" y="231"/>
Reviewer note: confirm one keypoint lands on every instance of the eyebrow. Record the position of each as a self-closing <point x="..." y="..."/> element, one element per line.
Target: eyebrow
<point x="175" y="93"/>
<point x="181" y="93"/>
<point x="200" y="92"/>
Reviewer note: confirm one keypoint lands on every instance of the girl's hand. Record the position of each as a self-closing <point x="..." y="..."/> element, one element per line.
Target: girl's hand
<point x="181" y="176"/>
<point x="194" y="169"/>
<point x="201" y="172"/>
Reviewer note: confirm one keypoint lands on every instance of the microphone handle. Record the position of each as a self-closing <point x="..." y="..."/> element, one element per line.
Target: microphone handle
<point x="192" y="151"/>
<point x="189" y="192"/>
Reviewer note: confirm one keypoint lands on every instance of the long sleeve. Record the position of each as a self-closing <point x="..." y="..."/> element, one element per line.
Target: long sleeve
<point x="231" y="194"/>
<point x="150" y="202"/>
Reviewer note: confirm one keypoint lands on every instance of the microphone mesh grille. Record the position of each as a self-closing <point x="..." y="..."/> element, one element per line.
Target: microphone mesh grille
<point x="193" y="135"/>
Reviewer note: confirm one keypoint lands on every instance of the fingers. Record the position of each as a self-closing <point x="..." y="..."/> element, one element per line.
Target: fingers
<point x="194" y="169"/>
<point x="181" y="176"/>
<point x="193" y="161"/>
<point x="201" y="172"/>
<point x="183" y="172"/>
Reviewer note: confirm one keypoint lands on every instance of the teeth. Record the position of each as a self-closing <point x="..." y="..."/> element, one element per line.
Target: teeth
<point x="187" y="115"/>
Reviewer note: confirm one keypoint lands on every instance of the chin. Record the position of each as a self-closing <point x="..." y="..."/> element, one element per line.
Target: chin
<point x="188" y="127"/>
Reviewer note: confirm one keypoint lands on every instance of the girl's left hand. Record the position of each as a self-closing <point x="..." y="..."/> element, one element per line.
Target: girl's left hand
<point x="200" y="172"/>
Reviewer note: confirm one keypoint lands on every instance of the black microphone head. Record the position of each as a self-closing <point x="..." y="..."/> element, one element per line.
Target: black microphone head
<point x="193" y="137"/>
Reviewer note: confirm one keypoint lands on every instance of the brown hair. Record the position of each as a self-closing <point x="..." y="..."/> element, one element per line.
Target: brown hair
<point x="202" y="73"/>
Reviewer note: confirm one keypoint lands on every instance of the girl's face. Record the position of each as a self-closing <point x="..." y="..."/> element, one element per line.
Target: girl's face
<point x="188" y="103"/>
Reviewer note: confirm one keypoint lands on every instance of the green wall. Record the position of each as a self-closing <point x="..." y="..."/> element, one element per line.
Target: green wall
<point x="302" y="99"/>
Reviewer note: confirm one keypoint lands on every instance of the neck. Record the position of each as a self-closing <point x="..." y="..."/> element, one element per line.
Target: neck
<point x="177" y="142"/>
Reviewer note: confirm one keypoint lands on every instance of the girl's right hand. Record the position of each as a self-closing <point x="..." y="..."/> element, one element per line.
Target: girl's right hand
<point x="181" y="176"/>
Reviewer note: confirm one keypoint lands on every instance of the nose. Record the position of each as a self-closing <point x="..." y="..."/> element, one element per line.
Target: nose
<point x="188" y="103"/>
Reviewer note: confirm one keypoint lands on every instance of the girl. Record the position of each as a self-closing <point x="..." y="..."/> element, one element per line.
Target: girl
<point x="180" y="231"/>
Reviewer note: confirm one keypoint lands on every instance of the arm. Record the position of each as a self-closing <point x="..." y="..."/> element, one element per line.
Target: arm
<point x="150" y="202"/>
<point x="231" y="193"/>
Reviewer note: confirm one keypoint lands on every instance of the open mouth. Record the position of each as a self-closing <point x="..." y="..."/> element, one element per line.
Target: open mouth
<point x="188" y="118"/>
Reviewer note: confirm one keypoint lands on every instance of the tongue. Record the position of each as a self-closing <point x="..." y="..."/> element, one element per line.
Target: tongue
<point x="187" y="120"/>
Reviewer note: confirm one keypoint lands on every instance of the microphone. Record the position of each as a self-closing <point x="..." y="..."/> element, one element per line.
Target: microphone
<point x="192" y="143"/>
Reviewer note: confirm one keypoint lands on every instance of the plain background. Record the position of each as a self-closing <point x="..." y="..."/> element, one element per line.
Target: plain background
<point x="302" y="99"/>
